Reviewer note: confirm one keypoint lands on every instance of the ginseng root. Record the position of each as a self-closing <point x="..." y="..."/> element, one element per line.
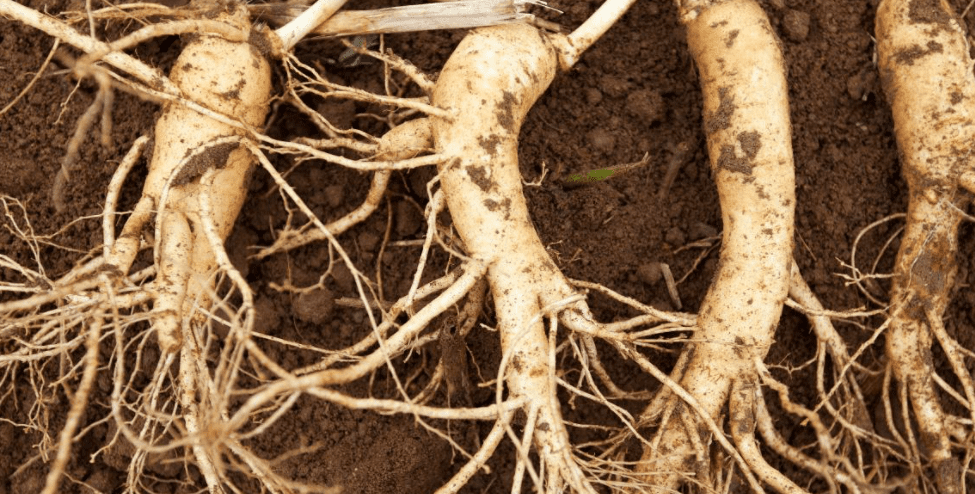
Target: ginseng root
<point x="746" y="119"/>
<point x="927" y="76"/>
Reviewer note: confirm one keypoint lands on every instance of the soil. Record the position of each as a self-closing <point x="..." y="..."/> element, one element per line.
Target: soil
<point x="634" y="93"/>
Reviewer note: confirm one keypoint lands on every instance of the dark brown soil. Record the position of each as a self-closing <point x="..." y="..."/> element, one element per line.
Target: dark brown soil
<point x="634" y="92"/>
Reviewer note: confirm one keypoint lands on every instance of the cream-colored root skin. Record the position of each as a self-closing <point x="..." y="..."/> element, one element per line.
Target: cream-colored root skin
<point x="234" y="80"/>
<point x="746" y="118"/>
<point x="487" y="87"/>
<point x="927" y="76"/>
<point x="230" y="78"/>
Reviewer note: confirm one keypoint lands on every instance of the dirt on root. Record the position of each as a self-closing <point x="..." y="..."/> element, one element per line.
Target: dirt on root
<point x="635" y="92"/>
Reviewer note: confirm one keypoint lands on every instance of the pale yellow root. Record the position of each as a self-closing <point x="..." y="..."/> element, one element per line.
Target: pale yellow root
<point x="232" y="79"/>
<point x="747" y="123"/>
<point x="927" y="76"/>
<point x="487" y="86"/>
<point x="78" y="405"/>
<point x="228" y="80"/>
<point x="743" y="416"/>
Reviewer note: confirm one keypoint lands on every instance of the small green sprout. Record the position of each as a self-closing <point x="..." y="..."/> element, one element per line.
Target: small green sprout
<point x="578" y="179"/>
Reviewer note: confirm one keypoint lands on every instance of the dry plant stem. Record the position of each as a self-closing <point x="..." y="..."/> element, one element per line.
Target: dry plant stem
<point x="488" y="85"/>
<point x="927" y="76"/>
<point x="294" y="31"/>
<point x="683" y="152"/>
<point x="462" y="14"/>
<point x="746" y="114"/>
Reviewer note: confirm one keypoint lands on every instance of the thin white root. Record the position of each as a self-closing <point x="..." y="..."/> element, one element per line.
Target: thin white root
<point x="405" y="141"/>
<point x="831" y="466"/>
<point x="778" y="444"/>
<point x="192" y="416"/>
<point x="688" y="401"/>
<point x="78" y="405"/>
<point x="857" y="418"/>
<point x="953" y="351"/>
<point x="114" y="189"/>
<point x="392" y="346"/>
<point x="65" y="33"/>
<point x="491" y="442"/>
<point x="34" y="79"/>
<point x="742" y="406"/>
<point x="215" y="28"/>
<point x="571" y="47"/>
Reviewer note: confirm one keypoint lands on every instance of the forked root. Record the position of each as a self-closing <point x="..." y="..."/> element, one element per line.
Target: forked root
<point x="195" y="216"/>
<point x="480" y="100"/>
<point x="927" y="76"/>
<point x="488" y="85"/>
<point x="230" y="81"/>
